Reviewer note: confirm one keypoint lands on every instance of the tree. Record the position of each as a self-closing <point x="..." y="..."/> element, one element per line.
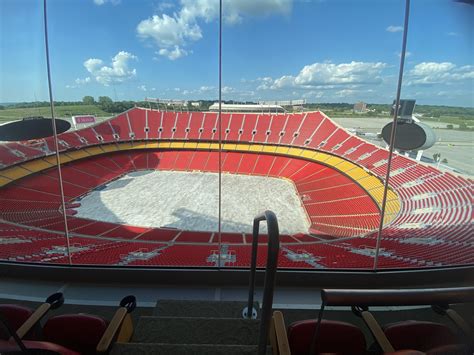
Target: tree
<point x="106" y="103"/>
<point x="105" y="100"/>
<point x="88" y="100"/>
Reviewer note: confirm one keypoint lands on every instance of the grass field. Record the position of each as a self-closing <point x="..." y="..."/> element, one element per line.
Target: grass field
<point x="61" y="111"/>
<point x="456" y="121"/>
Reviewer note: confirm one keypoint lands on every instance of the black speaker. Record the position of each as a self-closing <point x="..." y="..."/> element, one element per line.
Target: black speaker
<point x="407" y="107"/>
<point x="31" y="128"/>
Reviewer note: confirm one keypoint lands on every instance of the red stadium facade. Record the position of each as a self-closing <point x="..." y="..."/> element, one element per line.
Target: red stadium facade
<point x="338" y="177"/>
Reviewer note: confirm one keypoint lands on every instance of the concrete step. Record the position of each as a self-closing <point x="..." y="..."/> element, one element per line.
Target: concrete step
<point x="196" y="330"/>
<point x="214" y="309"/>
<point x="184" y="349"/>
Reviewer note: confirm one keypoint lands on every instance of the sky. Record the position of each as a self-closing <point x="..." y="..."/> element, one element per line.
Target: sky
<point x="318" y="50"/>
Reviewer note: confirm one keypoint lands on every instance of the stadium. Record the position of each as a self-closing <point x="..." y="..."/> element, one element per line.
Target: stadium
<point x="337" y="178"/>
<point x="299" y="206"/>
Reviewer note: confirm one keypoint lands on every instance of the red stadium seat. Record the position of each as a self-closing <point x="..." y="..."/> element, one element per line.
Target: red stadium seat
<point x="434" y="204"/>
<point x="15" y="315"/>
<point x="423" y="336"/>
<point x="34" y="347"/>
<point x="334" y="337"/>
<point x="79" y="332"/>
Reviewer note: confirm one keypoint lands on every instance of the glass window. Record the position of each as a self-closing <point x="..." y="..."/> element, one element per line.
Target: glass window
<point x="156" y="171"/>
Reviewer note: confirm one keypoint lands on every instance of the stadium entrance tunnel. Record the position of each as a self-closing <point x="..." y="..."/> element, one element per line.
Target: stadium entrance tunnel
<point x="32" y="128"/>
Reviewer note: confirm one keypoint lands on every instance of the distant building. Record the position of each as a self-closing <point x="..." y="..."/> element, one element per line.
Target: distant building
<point x="360" y="107"/>
<point x="195" y="104"/>
<point x="284" y="102"/>
<point x="246" y="108"/>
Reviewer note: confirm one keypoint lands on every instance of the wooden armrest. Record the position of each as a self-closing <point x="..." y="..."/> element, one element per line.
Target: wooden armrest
<point x="377" y="331"/>
<point x="120" y="324"/>
<point x="54" y="301"/>
<point x="33" y="320"/>
<point x="280" y="333"/>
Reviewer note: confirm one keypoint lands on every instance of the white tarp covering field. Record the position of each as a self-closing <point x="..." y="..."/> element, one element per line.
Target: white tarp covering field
<point x="189" y="200"/>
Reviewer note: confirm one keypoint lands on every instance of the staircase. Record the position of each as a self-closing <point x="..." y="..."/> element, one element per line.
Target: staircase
<point x="207" y="327"/>
<point x="194" y="327"/>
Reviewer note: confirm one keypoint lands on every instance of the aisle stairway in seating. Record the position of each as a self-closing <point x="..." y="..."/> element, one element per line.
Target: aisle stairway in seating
<point x="194" y="327"/>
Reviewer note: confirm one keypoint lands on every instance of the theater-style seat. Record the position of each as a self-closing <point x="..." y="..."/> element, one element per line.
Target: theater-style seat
<point x="15" y="315"/>
<point x="334" y="338"/>
<point x="78" y="332"/>
<point x="40" y="347"/>
<point x="453" y="349"/>
<point x="429" y="337"/>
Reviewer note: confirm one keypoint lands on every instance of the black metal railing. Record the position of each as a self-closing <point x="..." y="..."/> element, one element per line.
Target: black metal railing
<point x="270" y="274"/>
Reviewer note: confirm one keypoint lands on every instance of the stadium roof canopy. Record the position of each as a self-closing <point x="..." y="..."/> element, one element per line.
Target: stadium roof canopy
<point x="246" y="108"/>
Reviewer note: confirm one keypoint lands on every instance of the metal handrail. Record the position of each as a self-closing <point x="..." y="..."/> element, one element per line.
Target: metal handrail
<point x="270" y="274"/>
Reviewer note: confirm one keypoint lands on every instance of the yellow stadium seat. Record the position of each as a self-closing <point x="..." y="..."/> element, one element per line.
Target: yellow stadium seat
<point x="176" y="145"/>
<point x="139" y="145"/>
<point x="151" y="145"/>
<point x="242" y="147"/>
<point x="94" y="151"/>
<point x="4" y="181"/>
<point x="255" y="148"/>
<point x="37" y="165"/>
<point x="78" y="154"/>
<point x="15" y="173"/>
<point x="111" y="147"/>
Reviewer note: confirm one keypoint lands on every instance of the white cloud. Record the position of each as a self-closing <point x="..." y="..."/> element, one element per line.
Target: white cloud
<point x="142" y="88"/>
<point x="171" y="32"/>
<point x="265" y="83"/>
<point x="102" y="2"/>
<point x="206" y="89"/>
<point x="430" y="68"/>
<point x="80" y="81"/>
<point x="164" y="6"/>
<point x="407" y="54"/>
<point x="227" y="90"/>
<point x="313" y="94"/>
<point x="168" y="31"/>
<point x="345" y="92"/>
<point x="234" y="11"/>
<point x="173" y="54"/>
<point x="453" y="34"/>
<point x="318" y="75"/>
<point x="427" y="73"/>
<point x="117" y="72"/>
<point x="394" y="29"/>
